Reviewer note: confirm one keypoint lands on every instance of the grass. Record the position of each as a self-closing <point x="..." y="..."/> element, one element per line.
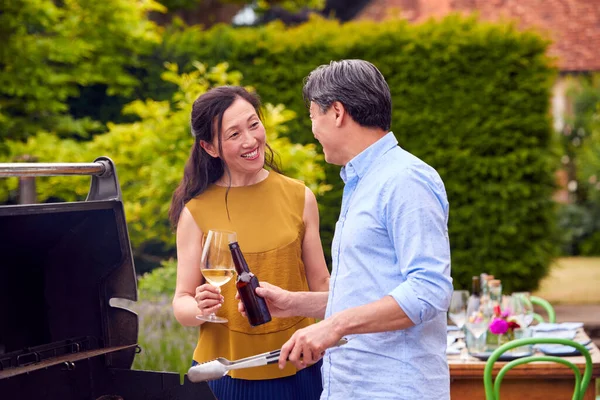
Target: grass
<point x="572" y="280"/>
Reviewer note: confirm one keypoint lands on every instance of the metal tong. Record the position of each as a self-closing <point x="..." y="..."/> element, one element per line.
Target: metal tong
<point x="219" y="367"/>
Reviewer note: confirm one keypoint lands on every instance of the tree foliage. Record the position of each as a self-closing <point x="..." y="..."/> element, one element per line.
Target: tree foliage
<point x="290" y="5"/>
<point x="584" y="135"/>
<point x="580" y="146"/>
<point x="469" y="98"/>
<point x="52" y="49"/>
<point x="150" y="153"/>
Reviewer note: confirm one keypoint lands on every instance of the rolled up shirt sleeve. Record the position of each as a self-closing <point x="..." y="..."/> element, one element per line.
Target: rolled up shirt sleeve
<point x="416" y="212"/>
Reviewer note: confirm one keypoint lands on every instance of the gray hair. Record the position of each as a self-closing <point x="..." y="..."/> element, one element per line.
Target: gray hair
<point x="358" y="85"/>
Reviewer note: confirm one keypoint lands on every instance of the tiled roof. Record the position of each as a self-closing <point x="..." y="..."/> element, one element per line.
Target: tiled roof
<point x="572" y="25"/>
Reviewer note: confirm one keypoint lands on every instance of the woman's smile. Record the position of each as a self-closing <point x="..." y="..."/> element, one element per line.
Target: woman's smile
<point x="252" y="155"/>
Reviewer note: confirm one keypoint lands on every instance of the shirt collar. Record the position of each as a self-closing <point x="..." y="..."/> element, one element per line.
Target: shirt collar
<point x="361" y="163"/>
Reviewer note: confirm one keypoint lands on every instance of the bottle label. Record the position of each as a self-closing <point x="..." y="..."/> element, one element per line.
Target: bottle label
<point x="245" y="277"/>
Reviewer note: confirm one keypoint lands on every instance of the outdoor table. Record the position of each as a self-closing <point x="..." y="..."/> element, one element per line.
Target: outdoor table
<point x="539" y="380"/>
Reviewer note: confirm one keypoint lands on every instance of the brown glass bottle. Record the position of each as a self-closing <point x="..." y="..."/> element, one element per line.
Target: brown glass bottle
<point x="476" y="286"/>
<point x="246" y="283"/>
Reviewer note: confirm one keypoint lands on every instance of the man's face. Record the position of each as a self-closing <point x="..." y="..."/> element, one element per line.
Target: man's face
<point x="326" y="132"/>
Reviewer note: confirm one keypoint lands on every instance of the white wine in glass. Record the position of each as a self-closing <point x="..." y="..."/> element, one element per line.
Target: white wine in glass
<point x="216" y="264"/>
<point x="218" y="276"/>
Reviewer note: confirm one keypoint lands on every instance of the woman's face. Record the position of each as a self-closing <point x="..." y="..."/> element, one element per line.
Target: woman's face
<point x="242" y="139"/>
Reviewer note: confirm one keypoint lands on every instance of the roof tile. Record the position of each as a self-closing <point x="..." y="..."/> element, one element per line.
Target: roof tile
<point x="572" y="25"/>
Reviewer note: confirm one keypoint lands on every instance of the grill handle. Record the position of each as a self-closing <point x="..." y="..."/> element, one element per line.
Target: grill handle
<point x="100" y="168"/>
<point x="104" y="186"/>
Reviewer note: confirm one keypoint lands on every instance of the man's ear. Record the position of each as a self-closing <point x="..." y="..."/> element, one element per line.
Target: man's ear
<point x="209" y="148"/>
<point x="340" y="113"/>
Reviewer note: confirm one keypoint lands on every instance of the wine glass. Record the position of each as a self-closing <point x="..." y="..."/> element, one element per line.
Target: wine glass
<point x="522" y="308"/>
<point x="458" y="313"/>
<point x="477" y="322"/>
<point x="216" y="264"/>
<point x="458" y="307"/>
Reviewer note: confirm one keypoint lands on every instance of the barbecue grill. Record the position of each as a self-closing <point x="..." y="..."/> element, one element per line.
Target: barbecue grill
<point x="60" y="266"/>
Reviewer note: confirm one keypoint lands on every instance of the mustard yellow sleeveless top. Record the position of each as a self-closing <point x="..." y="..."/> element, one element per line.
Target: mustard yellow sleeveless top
<point x="267" y="218"/>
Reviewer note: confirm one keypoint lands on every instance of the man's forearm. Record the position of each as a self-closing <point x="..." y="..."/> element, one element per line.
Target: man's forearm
<point x="309" y="304"/>
<point x="379" y="316"/>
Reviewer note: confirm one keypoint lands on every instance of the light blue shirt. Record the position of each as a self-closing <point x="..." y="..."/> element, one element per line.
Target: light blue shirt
<point x="391" y="239"/>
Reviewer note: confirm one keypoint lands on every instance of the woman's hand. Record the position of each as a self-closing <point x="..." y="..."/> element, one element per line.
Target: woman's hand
<point x="209" y="299"/>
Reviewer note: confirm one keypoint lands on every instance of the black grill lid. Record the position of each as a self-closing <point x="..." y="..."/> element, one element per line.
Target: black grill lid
<point x="62" y="263"/>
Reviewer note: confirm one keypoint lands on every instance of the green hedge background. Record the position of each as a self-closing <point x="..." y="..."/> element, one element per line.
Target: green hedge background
<point x="469" y="98"/>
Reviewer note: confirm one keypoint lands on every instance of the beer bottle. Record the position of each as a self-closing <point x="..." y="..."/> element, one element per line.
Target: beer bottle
<point x="246" y="283"/>
<point x="495" y="289"/>
<point x="475" y="286"/>
<point x="475" y="300"/>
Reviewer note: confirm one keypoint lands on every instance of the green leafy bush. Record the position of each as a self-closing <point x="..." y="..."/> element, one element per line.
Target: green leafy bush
<point x="51" y="50"/>
<point x="578" y="224"/>
<point x="591" y="245"/>
<point x="580" y="146"/>
<point x="469" y="98"/>
<point x="150" y="154"/>
<point x="260" y="5"/>
<point x="159" y="282"/>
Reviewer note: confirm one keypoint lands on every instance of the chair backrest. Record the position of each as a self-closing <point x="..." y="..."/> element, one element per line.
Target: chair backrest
<point x="538" y="301"/>
<point x="492" y="390"/>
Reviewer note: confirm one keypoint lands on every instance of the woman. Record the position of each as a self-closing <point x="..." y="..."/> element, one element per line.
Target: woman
<point x="226" y="187"/>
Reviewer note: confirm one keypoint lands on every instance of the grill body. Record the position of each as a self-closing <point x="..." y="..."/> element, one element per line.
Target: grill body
<point x="60" y="265"/>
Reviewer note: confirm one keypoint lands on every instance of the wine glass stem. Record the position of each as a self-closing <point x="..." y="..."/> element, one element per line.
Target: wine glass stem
<point x="464" y="352"/>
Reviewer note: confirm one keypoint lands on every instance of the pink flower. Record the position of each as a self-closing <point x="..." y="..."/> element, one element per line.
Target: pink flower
<point x="505" y="313"/>
<point x="498" y="326"/>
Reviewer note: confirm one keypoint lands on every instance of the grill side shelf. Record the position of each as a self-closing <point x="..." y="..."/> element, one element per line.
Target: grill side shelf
<point x="67" y="358"/>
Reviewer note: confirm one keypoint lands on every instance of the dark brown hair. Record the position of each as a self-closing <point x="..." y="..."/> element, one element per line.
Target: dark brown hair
<point x="201" y="169"/>
<point x="358" y="85"/>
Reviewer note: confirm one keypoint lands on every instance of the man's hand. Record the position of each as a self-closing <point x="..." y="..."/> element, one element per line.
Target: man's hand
<point x="308" y="345"/>
<point x="278" y="300"/>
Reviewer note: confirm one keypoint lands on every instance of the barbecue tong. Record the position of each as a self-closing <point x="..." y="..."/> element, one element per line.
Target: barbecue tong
<point x="219" y="367"/>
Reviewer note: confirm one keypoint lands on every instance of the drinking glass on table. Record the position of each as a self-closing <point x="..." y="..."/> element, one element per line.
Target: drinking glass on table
<point x="216" y="264"/>
<point x="458" y="314"/>
<point x="522" y="308"/>
<point x="477" y="323"/>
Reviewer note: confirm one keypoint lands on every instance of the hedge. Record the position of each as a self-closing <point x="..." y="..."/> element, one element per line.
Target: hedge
<point x="469" y="98"/>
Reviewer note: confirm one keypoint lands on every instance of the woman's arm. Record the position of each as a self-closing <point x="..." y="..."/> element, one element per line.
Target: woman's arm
<point x="192" y="296"/>
<point x="317" y="274"/>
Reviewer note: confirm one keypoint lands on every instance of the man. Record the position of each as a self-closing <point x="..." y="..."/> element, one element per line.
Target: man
<point x="390" y="285"/>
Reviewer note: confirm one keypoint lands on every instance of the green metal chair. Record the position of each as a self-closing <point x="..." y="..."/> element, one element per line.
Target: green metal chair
<point x="538" y="301"/>
<point x="492" y="389"/>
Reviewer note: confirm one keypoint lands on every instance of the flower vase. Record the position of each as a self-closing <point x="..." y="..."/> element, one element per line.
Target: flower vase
<point x="494" y="341"/>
